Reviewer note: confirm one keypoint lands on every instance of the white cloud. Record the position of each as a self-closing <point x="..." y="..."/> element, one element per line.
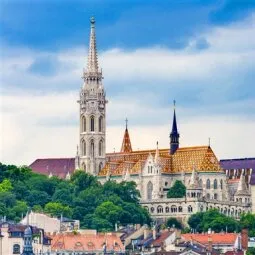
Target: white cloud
<point x="39" y="114"/>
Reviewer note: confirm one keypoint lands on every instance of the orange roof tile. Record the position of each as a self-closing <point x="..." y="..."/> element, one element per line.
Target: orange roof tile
<point x="82" y="242"/>
<point x="217" y="238"/>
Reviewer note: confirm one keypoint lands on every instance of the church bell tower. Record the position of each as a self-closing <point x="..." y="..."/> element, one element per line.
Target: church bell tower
<point x="92" y="113"/>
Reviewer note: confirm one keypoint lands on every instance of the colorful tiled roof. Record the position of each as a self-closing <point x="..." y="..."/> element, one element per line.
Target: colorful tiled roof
<point x="85" y="242"/>
<point x="217" y="238"/>
<point x="184" y="159"/>
<point x="126" y="143"/>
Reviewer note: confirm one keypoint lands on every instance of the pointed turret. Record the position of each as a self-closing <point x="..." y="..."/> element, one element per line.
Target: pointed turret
<point x="242" y="187"/>
<point x="193" y="180"/>
<point x="174" y="135"/>
<point x="156" y="159"/>
<point x="92" y="70"/>
<point x="126" y="143"/>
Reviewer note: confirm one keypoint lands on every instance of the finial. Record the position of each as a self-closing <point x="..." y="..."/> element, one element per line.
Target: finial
<point x="174" y="103"/>
<point x="126" y="122"/>
<point x="209" y="142"/>
<point x="92" y="21"/>
<point x="157" y="144"/>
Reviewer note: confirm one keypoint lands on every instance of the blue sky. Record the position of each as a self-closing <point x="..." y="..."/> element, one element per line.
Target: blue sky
<point x="199" y="52"/>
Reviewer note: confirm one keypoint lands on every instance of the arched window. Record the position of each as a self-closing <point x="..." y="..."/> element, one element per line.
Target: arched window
<point x="167" y="209"/>
<point x="180" y="209"/>
<point x="159" y="209"/>
<point x="92" y="152"/>
<point x="83" y="124"/>
<point x="208" y="184"/>
<point x="83" y="148"/>
<point x="100" y="124"/>
<point x="173" y="209"/>
<point x="16" y="249"/>
<point x="149" y="190"/>
<point x="215" y="184"/>
<point x="92" y="124"/>
<point x="221" y="184"/>
<point x="100" y="148"/>
<point x="215" y="196"/>
<point x="100" y="166"/>
<point x="190" y="209"/>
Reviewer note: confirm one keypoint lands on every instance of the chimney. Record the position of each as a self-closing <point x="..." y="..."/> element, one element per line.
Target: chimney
<point x="244" y="238"/>
<point x="210" y="244"/>
<point x="154" y="233"/>
<point x="145" y="232"/>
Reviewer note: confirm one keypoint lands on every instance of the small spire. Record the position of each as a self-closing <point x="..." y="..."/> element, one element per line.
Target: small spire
<point x="126" y="120"/>
<point x="174" y="135"/>
<point x="126" y="143"/>
<point x="209" y="142"/>
<point x="156" y="159"/>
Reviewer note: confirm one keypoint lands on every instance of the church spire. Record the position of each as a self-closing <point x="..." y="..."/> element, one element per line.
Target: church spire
<point x="126" y="143"/>
<point x="92" y="70"/>
<point x="174" y="135"/>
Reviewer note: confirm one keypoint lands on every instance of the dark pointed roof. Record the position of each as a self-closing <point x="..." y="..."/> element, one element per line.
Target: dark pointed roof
<point x="174" y="126"/>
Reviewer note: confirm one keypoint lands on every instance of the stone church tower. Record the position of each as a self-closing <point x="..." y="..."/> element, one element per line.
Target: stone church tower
<point x="91" y="154"/>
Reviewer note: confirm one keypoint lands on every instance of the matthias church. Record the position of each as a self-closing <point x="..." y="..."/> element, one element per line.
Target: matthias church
<point x="208" y="184"/>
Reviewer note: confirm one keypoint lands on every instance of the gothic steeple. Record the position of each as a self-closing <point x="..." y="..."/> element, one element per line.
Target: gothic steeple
<point x="92" y="113"/>
<point x="92" y="71"/>
<point x="174" y="135"/>
<point x="126" y="143"/>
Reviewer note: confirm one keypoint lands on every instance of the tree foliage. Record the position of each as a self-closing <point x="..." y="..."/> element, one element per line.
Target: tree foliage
<point x="178" y="190"/>
<point x="83" y="198"/>
<point x="173" y="222"/>
<point x="214" y="220"/>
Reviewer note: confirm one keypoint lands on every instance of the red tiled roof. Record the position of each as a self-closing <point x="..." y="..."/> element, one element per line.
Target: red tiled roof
<point x="163" y="236"/>
<point x="55" y="166"/>
<point x="84" y="242"/>
<point x="217" y="238"/>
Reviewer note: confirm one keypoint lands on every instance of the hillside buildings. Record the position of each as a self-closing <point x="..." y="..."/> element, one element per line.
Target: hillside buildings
<point x="155" y="170"/>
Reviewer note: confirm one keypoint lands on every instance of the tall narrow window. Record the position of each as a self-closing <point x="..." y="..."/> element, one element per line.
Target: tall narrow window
<point x="100" y="148"/>
<point x="215" y="184"/>
<point x="221" y="184"/>
<point x="92" y="124"/>
<point x="16" y="249"/>
<point x="100" y="166"/>
<point x="149" y="190"/>
<point x="100" y="124"/>
<point x="92" y="152"/>
<point x="208" y="184"/>
<point x="83" y="148"/>
<point x="83" y="123"/>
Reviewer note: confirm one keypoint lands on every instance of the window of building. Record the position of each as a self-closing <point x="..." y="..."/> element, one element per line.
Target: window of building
<point x="100" y="166"/>
<point x="190" y="209"/>
<point x="16" y="249"/>
<point x="92" y="152"/>
<point x="208" y="196"/>
<point x="83" y="148"/>
<point x="208" y="184"/>
<point x="149" y="190"/>
<point x="92" y="124"/>
<point x="215" y="196"/>
<point x="215" y="184"/>
<point x="160" y="209"/>
<point x="83" y="124"/>
<point x="180" y="209"/>
<point x="100" y="124"/>
<point x="221" y="184"/>
<point x="100" y="148"/>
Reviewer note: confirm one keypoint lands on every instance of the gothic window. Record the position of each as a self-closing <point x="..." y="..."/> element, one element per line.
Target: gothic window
<point x="180" y="209"/>
<point x="100" y="148"/>
<point x="16" y="249"/>
<point x="83" y="124"/>
<point x="173" y="209"/>
<point x="100" y="124"/>
<point x="92" y="152"/>
<point x="215" y="184"/>
<point x="83" y="148"/>
<point x="100" y="166"/>
<point x="208" y="184"/>
<point x="149" y="190"/>
<point x="190" y="209"/>
<point x="221" y="184"/>
<point x="159" y="209"/>
<point x="92" y="124"/>
<point x="215" y="196"/>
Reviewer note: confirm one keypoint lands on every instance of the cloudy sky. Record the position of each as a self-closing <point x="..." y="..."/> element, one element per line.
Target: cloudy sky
<point x="199" y="52"/>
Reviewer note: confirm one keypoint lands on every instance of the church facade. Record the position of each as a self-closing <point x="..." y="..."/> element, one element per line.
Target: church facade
<point x="154" y="171"/>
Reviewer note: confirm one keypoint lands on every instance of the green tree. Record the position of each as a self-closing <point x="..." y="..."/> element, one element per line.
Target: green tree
<point x="177" y="191"/>
<point x="58" y="209"/>
<point x="36" y="197"/>
<point x="195" y="221"/>
<point x="173" y="222"/>
<point x="5" y="185"/>
<point x="248" y="221"/>
<point x="250" y="251"/>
